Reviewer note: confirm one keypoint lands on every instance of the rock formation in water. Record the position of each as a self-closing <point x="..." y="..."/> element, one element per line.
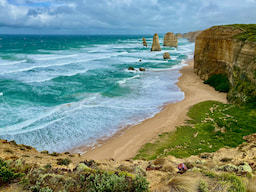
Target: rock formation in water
<point x="144" y="42"/>
<point x="178" y="35"/>
<point x="166" y="55"/>
<point x="156" y="44"/>
<point x="170" y="40"/>
<point x="231" y="51"/>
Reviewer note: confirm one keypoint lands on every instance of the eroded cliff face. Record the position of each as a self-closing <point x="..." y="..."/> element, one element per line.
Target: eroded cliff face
<point x="191" y="36"/>
<point x="217" y="52"/>
<point x="178" y="35"/>
<point x="170" y="40"/>
<point x="156" y="45"/>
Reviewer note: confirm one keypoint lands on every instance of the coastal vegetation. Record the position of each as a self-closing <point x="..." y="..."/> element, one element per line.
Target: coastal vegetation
<point x="215" y="144"/>
<point x="220" y="82"/>
<point x="32" y="177"/>
<point x="249" y="33"/>
<point x="211" y="126"/>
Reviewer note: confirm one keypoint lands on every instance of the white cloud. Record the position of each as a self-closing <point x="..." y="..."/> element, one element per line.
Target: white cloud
<point x="127" y="16"/>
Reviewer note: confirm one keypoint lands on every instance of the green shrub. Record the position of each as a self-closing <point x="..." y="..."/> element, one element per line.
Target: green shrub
<point x="54" y="154"/>
<point x="220" y="82"/>
<point x="106" y="182"/>
<point x="8" y="151"/>
<point x="236" y="184"/>
<point x="46" y="189"/>
<point x="63" y="161"/>
<point x="203" y="186"/>
<point x="249" y="33"/>
<point x="6" y="173"/>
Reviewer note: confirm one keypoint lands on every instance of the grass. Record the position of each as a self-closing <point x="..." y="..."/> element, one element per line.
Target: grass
<point x="249" y="33"/>
<point x="212" y="125"/>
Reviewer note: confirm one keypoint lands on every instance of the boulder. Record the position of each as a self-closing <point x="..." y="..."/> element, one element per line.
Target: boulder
<point x="166" y="55"/>
<point x="144" y="42"/>
<point x="131" y="68"/>
<point x="156" y="44"/>
<point x="142" y="69"/>
<point x="170" y="40"/>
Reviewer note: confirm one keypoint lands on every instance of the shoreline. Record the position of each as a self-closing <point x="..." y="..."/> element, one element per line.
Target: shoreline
<point x="127" y="142"/>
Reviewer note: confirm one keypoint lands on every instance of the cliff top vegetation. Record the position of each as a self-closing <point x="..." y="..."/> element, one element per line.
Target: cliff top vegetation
<point x="249" y="33"/>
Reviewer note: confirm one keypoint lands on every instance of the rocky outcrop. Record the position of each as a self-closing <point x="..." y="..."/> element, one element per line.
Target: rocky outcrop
<point x="144" y="42"/>
<point x="166" y="55"/>
<point x="218" y="52"/>
<point x="178" y="35"/>
<point x="191" y="36"/>
<point x="156" y="44"/>
<point x="170" y="40"/>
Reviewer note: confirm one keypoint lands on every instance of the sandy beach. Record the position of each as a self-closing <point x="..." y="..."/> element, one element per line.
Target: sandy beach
<point x="126" y="145"/>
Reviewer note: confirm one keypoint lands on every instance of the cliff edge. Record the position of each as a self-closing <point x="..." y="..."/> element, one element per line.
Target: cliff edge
<point x="230" y="51"/>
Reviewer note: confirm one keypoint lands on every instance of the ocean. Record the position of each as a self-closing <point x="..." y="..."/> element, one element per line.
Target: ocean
<point x="61" y="92"/>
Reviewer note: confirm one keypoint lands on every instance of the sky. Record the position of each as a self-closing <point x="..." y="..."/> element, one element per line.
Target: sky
<point x="120" y="16"/>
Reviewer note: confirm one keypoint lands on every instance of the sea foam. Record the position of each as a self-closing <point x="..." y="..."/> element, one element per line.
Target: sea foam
<point x="60" y="99"/>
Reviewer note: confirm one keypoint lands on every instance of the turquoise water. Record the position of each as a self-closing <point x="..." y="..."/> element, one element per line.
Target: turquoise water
<point x="61" y="92"/>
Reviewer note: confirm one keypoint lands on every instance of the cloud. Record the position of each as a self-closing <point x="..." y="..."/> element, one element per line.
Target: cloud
<point x="122" y="17"/>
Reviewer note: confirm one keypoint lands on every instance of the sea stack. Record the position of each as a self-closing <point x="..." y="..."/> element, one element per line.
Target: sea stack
<point x="166" y="55"/>
<point x="178" y="35"/>
<point x="156" y="44"/>
<point x="170" y="40"/>
<point x="144" y="42"/>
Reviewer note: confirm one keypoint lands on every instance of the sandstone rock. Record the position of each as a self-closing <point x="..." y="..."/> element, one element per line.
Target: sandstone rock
<point x="185" y="35"/>
<point x="178" y="35"/>
<point x="166" y="55"/>
<point x="144" y="42"/>
<point x="156" y="44"/>
<point x="170" y="40"/>
<point x="217" y="52"/>
<point x="250" y="138"/>
<point x="191" y="36"/>
<point x="131" y="68"/>
<point x="142" y="69"/>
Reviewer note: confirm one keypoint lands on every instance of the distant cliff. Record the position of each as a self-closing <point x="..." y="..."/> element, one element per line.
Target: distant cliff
<point x="191" y="36"/>
<point x="231" y="51"/>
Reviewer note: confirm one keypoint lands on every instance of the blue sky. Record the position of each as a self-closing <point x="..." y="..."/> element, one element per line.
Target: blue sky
<point x="120" y="16"/>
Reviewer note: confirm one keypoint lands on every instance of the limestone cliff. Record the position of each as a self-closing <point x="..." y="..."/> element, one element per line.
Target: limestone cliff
<point x="191" y="36"/>
<point x="170" y="40"/>
<point x="218" y="51"/>
<point x="178" y="35"/>
<point x="156" y="44"/>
